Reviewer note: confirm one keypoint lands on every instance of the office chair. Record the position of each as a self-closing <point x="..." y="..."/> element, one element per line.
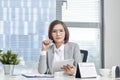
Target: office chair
<point x="85" y="54"/>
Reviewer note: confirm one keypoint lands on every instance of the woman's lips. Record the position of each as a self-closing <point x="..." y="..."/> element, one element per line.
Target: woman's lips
<point x="58" y="38"/>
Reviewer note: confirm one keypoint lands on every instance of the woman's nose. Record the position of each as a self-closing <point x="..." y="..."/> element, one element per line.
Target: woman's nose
<point x="58" y="33"/>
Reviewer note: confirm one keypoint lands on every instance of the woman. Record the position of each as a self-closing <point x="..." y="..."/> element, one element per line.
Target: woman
<point x="60" y="49"/>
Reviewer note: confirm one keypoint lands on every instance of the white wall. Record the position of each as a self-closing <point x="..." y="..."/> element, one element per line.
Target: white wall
<point x="112" y="32"/>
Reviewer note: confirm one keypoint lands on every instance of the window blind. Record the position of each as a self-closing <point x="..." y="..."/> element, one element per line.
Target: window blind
<point x="78" y="10"/>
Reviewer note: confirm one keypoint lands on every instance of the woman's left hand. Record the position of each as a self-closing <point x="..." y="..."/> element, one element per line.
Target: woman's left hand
<point x="70" y="70"/>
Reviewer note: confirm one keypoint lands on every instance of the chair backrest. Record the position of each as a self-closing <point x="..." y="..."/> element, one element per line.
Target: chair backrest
<point x="85" y="54"/>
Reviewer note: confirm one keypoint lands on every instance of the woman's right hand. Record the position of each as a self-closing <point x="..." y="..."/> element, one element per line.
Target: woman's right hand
<point x="45" y="44"/>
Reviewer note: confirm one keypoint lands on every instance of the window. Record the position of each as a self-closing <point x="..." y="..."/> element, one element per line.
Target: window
<point x="23" y="24"/>
<point x="83" y="19"/>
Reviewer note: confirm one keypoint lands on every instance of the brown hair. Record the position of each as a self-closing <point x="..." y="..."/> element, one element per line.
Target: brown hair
<point x="51" y="26"/>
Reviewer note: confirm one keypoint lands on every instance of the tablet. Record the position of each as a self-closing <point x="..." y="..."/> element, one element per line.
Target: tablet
<point x="57" y="65"/>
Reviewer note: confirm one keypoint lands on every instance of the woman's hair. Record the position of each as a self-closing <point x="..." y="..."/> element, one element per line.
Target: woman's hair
<point x="51" y="26"/>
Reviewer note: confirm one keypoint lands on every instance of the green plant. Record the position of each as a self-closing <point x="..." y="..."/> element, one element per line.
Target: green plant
<point x="1" y="51"/>
<point x="9" y="57"/>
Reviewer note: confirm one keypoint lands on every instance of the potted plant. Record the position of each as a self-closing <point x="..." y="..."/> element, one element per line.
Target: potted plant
<point x="9" y="59"/>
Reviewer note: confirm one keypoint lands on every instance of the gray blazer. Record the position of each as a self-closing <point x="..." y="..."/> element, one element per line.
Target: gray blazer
<point x="71" y="51"/>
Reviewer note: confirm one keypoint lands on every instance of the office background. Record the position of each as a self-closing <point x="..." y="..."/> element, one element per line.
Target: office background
<point x="24" y="22"/>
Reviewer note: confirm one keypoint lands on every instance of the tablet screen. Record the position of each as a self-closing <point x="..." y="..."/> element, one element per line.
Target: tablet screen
<point x="57" y="65"/>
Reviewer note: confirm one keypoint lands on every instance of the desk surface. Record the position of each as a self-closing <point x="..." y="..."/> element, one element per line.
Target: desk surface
<point x="20" y="77"/>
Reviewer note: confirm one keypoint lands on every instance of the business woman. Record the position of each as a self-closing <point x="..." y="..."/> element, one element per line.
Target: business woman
<point x="58" y="48"/>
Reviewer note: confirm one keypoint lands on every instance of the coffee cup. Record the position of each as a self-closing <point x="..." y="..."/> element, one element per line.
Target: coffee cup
<point x="105" y="72"/>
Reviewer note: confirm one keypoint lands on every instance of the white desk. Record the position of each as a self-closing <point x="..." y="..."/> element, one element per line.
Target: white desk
<point x="19" y="77"/>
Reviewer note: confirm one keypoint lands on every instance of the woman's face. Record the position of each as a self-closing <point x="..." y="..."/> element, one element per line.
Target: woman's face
<point x="58" y="33"/>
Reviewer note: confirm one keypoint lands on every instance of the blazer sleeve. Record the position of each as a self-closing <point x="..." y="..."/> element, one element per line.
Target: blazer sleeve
<point x="77" y="56"/>
<point x="42" y="65"/>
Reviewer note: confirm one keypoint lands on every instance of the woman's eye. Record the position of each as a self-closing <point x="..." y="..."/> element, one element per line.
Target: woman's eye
<point x="61" y="30"/>
<point x="54" y="31"/>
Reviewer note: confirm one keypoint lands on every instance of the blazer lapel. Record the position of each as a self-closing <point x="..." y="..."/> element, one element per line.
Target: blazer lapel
<point x="66" y="51"/>
<point x="50" y="59"/>
<point x="51" y="54"/>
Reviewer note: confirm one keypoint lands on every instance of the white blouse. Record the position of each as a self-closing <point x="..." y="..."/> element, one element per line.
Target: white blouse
<point x="58" y="53"/>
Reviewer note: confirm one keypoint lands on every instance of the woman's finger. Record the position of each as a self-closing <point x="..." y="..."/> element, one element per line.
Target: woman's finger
<point x="64" y="68"/>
